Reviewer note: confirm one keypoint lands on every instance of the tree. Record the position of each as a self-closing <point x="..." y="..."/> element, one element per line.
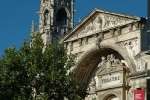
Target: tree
<point x="32" y="73"/>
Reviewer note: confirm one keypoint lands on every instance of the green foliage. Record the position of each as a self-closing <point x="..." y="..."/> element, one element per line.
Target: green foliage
<point x="38" y="72"/>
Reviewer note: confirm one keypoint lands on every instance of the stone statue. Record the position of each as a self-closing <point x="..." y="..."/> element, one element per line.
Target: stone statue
<point x="134" y="47"/>
<point x="102" y="62"/>
<point x="98" y="40"/>
<point x="141" y="65"/>
<point x="112" y="57"/>
<point x="130" y="94"/>
<point x="98" y="24"/>
<point x="131" y="47"/>
<point x="49" y="18"/>
<point x="46" y="18"/>
<point x="109" y="64"/>
<point x="93" y="84"/>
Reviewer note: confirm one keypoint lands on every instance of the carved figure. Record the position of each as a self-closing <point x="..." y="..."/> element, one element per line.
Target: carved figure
<point x="110" y="63"/>
<point x="98" y="23"/>
<point x="98" y="40"/>
<point x="112" y="32"/>
<point x="128" y="48"/>
<point x="111" y="21"/>
<point x="80" y="42"/>
<point x="108" y="57"/>
<point x="86" y="40"/>
<point x="112" y="57"/>
<point x="131" y="90"/>
<point x="130" y="94"/>
<point x="134" y="47"/>
<point x="46" y="17"/>
<point x="117" y="61"/>
<point x="94" y="26"/>
<point x="131" y="47"/>
<point x="141" y="64"/>
<point x="102" y="62"/>
<point x="71" y="45"/>
<point x="93" y="84"/>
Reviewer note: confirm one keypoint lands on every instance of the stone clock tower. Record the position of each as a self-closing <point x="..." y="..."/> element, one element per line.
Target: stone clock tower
<point x="56" y="18"/>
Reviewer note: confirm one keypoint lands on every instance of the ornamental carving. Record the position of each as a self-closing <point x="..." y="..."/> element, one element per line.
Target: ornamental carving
<point x="131" y="47"/>
<point x="93" y="84"/>
<point x="94" y="26"/>
<point x="111" y="21"/>
<point x="100" y="23"/>
<point x="109" y="64"/>
<point x="141" y="64"/>
<point x="98" y="40"/>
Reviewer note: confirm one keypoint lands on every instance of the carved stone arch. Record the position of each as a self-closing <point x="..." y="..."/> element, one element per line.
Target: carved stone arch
<point x="83" y="63"/>
<point x="106" y="95"/>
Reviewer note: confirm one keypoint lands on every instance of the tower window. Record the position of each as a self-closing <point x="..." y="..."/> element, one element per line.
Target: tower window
<point x="61" y="17"/>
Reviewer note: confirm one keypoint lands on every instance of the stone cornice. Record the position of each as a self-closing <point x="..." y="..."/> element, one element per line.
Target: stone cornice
<point x="139" y="74"/>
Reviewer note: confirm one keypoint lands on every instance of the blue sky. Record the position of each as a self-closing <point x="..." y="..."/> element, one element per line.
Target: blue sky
<point x="16" y="16"/>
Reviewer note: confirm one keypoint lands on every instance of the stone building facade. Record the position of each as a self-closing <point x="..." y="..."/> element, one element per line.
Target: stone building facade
<point x="113" y="56"/>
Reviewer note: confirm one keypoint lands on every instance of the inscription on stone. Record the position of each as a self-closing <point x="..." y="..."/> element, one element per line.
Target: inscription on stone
<point x="110" y="79"/>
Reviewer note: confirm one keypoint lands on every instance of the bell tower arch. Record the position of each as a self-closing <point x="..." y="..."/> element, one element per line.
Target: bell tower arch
<point x="56" y="18"/>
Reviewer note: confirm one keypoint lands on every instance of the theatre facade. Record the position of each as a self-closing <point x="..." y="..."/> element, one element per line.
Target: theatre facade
<point x="112" y="55"/>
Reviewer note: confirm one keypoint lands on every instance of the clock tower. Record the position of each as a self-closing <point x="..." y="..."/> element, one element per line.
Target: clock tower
<point x="56" y="18"/>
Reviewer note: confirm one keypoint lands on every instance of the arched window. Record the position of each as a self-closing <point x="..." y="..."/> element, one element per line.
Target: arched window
<point x="61" y="17"/>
